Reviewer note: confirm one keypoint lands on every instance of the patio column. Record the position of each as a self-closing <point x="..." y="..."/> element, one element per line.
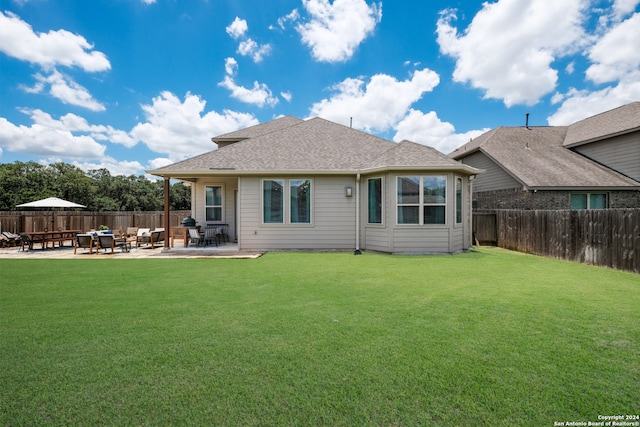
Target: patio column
<point x="167" y="218"/>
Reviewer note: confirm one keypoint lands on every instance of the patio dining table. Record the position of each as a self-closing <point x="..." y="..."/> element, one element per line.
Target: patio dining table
<point x="53" y="237"/>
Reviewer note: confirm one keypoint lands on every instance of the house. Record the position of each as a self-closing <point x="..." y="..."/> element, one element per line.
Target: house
<point x="313" y="184"/>
<point x="591" y="164"/>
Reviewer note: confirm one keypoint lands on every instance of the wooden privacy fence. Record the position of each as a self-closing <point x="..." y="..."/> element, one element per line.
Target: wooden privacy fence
<point x="26" y="221"/>
<point x="604" y="237"/>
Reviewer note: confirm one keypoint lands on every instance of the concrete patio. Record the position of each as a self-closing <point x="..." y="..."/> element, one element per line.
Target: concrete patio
<point x="227" y="250"/>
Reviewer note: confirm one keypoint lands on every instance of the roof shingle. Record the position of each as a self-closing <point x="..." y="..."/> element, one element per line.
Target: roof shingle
<point x="315" y="145"/>
<point x="613" y="122"/>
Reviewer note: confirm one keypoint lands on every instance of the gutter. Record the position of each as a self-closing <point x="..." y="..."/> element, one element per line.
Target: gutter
<point x="357" y="251"/>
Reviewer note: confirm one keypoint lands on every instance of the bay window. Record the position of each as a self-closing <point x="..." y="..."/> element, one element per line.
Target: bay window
<point x="374" y="186"/>
<point x="422" y="199"/>
<point x="458" y="200"/>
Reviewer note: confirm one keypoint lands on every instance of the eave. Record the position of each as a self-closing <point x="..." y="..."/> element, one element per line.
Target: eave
<point x="189" y="175"/>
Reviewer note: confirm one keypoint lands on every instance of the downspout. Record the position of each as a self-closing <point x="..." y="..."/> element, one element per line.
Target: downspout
<point x="357" y="251"/>
<point x="167" y="213"/>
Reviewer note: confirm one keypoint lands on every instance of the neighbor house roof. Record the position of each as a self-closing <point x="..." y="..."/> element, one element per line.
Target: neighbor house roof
<point x="536" y="157"/>
<point x="614" y="122"/>
<point x="316" y="145"/>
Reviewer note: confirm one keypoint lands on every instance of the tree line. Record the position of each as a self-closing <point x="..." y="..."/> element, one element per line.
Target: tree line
<point x="98" y="190"/>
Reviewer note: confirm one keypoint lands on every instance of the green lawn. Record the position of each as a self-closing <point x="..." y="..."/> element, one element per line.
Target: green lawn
<point x="490" y="337"/>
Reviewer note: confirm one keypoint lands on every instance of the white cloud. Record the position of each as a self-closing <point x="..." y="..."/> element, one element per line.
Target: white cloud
<point x="336" y="29"/>
<point x="237" y="28"/>
<point x="254" y="50"/>
<point x="148" y="1"/>
<point x="115" y="167"/>
<point x="578" y="105"/>
<point x="48" y="138"/>
<point x="64" y="88"/>
<point x="614" y="61"/>
<point x="616" y="54"/>
<point x="247" y="46"/>
<point x="508" y="48"/>
<point x="380" y="105"/>
<point x="18" y="40"/>
<point x="287" y="96"/>
<point x="428" y="129"/>
<point x="230" y="66"/>
<point x="623" y="7"/>
<point x="260" y="95"/>
<point x="180" y="129"/>
<point x="293" y="16"/>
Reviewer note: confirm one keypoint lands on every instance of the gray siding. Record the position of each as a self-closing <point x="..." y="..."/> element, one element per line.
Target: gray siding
<point x="621" y="153"/>
<point x="376" y="239"/>
<point x="411" y="239"/>
<point x="494" y="177"/>
<point x="333" y="217"/>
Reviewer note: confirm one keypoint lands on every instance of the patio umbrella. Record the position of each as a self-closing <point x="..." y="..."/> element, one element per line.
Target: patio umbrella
<point x="52" y="203"/>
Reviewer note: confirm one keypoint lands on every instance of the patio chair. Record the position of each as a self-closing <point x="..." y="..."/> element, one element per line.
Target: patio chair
<point x="150" y="237"/>
<point x="84" y="241"/>
<point x="196" y="237"/>
<point x="108" y="241"/>
<point x="211" y="234"/>
<point x="25" y="240"/>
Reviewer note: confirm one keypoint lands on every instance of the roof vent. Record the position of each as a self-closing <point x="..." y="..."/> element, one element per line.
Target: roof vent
<point x="526" y="122"/>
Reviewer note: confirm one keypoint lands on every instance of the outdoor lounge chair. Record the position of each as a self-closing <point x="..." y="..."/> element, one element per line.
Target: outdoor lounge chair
<point x="84" y="241"/>
<point x="109" y="241"/>
<point x="11" y="239"/>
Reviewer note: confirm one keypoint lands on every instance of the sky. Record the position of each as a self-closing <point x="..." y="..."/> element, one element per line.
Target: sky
<point x="133" y="85"/>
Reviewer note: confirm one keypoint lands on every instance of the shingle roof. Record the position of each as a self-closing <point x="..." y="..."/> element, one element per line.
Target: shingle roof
<point x="314" y="145"/>
<point x="610" y="123"/>
<point x="258" y="130"/>
<point x="536" y="157"/>
<point x="408" y="154"/>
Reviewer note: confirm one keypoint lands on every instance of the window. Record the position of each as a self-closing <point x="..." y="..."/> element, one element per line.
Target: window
<point x="422" y="199"/>
<point x="213" y="203"/>
<point x="300" y="194"/>
<point x="273" y="201"/>
<point x="298" y="201"/>
<point x="375" y="200"/>
<point x="458" y="200"/>
<point x="589" y="201"/>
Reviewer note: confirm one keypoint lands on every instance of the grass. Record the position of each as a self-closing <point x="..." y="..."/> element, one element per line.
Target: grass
<point x="490" y="337"/>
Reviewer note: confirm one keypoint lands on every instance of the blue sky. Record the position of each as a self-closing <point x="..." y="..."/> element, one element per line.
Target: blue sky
<point x="131" y="85"/>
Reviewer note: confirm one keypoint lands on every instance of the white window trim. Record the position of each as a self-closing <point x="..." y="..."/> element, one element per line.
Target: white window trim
<point x="204" y="202"/>
<point x="421" y="203"/>
<point x="286" y="204"/>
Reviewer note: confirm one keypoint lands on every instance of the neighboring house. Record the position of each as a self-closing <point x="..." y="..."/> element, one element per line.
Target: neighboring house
<point x="591" y="164"/>
<point x="314" y="184"/>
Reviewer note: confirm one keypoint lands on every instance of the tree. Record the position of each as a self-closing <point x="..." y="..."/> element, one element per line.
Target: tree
<point x="22" y="182"/>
